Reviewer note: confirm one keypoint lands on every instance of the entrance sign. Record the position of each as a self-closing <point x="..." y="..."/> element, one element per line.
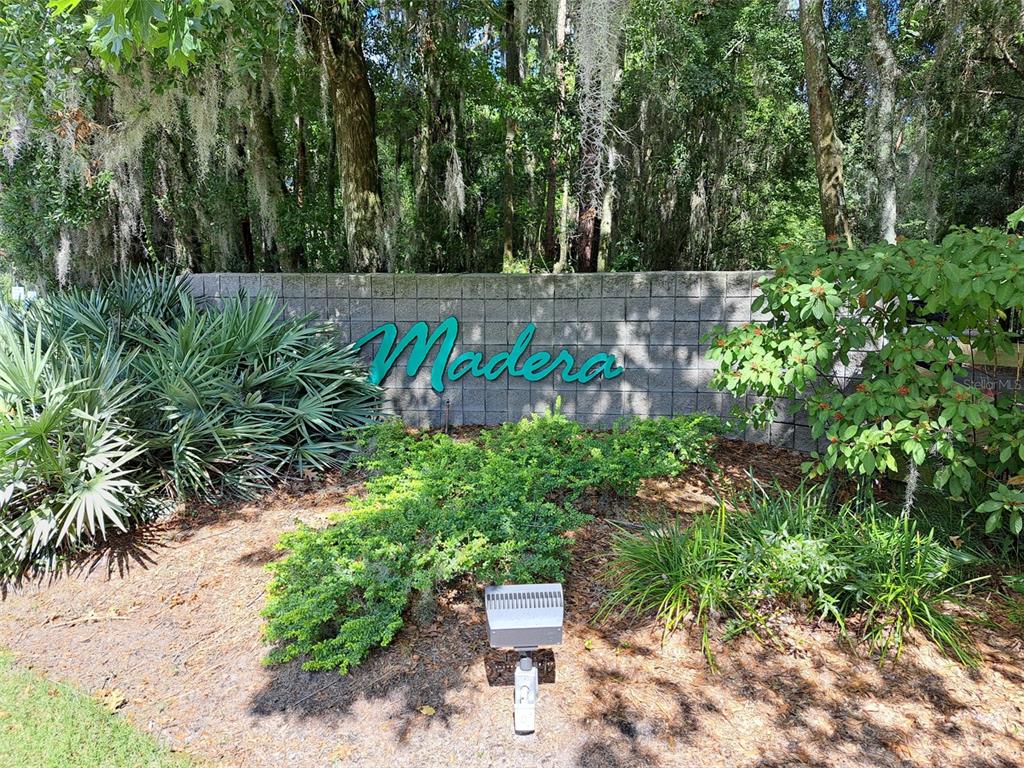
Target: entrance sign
<point x="419" y="342"/>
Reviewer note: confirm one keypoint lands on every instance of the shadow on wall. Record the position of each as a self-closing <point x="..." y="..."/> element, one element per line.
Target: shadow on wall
<point x="653" y="322"/>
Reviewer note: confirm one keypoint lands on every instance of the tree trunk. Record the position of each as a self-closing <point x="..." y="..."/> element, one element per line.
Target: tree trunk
<point x="336" y="29"/>
<point x="604" y="230"/>
<point x="828" y="151"/>
<point x="551" y="246"/>
<point x="514" y="79"/>
<point x="885" y="118"/>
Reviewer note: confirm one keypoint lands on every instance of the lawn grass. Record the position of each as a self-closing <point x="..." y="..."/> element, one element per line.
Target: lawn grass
<point x="48" y="725"/>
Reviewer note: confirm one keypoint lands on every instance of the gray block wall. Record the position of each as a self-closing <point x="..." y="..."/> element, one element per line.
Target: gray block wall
<point x="653" y="323"/>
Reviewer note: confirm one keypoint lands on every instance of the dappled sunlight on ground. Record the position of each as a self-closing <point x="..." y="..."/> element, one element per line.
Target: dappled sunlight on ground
<point x="170" y="617"/>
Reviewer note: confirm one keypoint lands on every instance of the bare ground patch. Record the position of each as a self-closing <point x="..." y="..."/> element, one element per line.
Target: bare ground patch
<point x="170" y="617"/>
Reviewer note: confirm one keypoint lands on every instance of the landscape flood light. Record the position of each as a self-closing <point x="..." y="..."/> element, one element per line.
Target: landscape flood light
<point x="524" y="617"/>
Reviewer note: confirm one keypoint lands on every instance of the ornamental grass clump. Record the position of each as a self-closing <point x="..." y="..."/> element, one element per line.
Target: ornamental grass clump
<point x="791" y="551"/>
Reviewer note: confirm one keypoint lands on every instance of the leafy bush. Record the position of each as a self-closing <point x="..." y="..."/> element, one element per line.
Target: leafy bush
<point x="792" y="550"/>
<point x="436" y="508"/>
<point x="918" y="316"/>
<point x="116" y="399"/>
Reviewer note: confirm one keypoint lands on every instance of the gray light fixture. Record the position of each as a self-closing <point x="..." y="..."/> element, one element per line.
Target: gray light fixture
<point x="524" y="617"/>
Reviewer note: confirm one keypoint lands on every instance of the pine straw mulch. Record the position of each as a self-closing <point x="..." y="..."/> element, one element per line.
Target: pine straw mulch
<point x="166" y="621"/>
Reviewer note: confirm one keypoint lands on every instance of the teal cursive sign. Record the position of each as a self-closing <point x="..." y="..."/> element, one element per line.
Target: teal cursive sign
<point x="419" y="341"/>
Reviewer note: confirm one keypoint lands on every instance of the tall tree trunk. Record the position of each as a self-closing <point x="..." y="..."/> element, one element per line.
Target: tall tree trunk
<point x="885" y="119"/>
<point x="551" y="249"/>
<point x="337" y="29"/>
<point x="828" y="150"/>
<point x="604" y="230"/>
<point x="514" y="79"/>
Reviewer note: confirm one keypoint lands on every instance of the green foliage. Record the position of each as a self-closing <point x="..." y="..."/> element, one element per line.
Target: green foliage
<point x="118" y="398"/>
<point x="927" y="315"/>
<point x="436" y="508"/>
<point x="47" y="724"/>
<point x="793" y="551"/>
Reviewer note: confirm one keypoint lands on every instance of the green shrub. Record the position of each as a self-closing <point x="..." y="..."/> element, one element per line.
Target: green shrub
<point x="925" y="313"/>
<point x="436" y="508"/>
<point x="68" y="449"/>
<point x="117" y="399"/>
<point x="793" y="551"/>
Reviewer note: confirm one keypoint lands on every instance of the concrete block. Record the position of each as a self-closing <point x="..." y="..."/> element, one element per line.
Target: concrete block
<point x="712" y="308"/>
<point x="427" y="286"/>
<point x="359" y="329"/>
<point x="381" y="310"/>
<point x="737" y="284"/>
<point x="495" y="287"/>
<point x="783" y="435"/>
<point x="318" y="309"/>
<point x="449" y="286"/>
<point x="405" y="309"/>
<point x="566" y="334"/>
<point x="687" y="308"/>
<point x="615" y="285"/>
<point x="687" y="333"/>
<point x="688" y="284"/>
<point x="663" y="284"/>
<point x="382" y="286"/>
<point x="613" y="309"/>
<point x="612" y="333"/>
<point x="271" y="284"/>
<point x="542" y="310"/>
<point x="249" y="285"/>
<point x="229" y="285"/>
<point x="566" y="310"/>
<point x="662" y="379"/>
<point x="495" y="398"/>
<point x="588" y="286"/>
<point x="518" y="286"/>
<point x="663" y="308"/>
<point x="638" y="308"/>
<point x="473" y="399"/>
<point x="684" y="402"/>
<point x="712" y="403"/>
<point x="519" y="310"/>
<point x="566" y="286"/>
<point x="473" y="286"/>
<point x="661" y="333"/>
<point x="639" y="285"/>
<point x="472" y="309"/>
<point x="316" y="286"/>
<point x="686" y="379"/>
<point x="359" y="287"/>
<point x="338" y="285"/>
<point x="737" y="309"/>
<point x="360" y="309"/>
<point x="451" y="308"/>
<point x="541" y="286"/>
<point x="543" y="336"/>
<point x="588" y="332"/>
<point x="496" y="310"/>
<point x="473" y="418"/>
<point x="496" y="333"/>
<point x="712" y="284"/>
<point x="428" y="310"/>
<point x="405" y="286"/>
<point x="472" y="333"/>
<point x="661" y="403"/>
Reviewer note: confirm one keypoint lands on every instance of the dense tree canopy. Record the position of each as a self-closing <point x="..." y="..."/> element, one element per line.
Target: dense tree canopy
<point x="486" y="135"/>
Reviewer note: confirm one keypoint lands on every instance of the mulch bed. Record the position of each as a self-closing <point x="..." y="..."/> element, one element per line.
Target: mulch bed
<point x="168" y="620"/>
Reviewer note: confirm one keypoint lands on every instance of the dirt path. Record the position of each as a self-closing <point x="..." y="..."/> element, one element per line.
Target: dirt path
<point x="170" y="619"/>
